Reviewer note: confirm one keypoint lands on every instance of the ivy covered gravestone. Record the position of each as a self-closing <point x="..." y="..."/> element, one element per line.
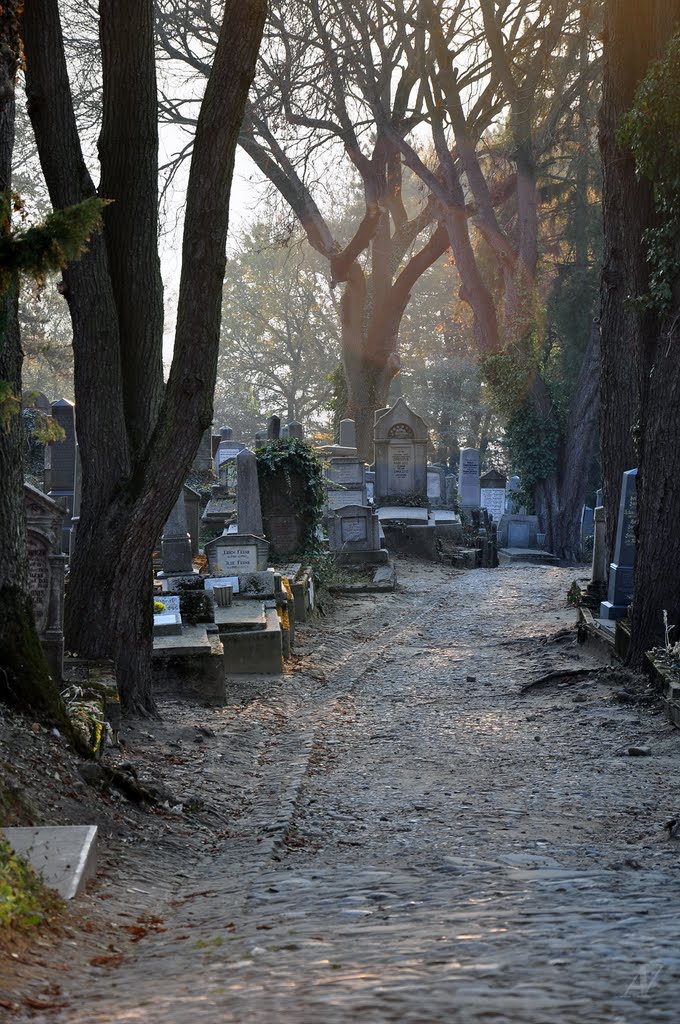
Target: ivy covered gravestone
<point x="292" y="495"/>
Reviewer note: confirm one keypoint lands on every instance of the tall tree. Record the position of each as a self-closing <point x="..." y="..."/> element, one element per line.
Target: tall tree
<point x="530" y="53"/>
<point x="309" y="110"/>
<point x="137" y="435"/>
<point x="25" y="678"/>
<point x="640" y="369"/>
<point x="280" y="338"/>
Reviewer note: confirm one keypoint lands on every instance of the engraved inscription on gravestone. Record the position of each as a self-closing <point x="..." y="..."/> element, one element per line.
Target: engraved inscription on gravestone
<point x="353" y="529"/>
<point x="346" y="473"/>
<point x="234" y="560"/>
<point x="38" y="579"/>
<point x="400" y="458"/>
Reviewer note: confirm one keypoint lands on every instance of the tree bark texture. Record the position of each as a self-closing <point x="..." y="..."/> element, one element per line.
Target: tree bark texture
<point x="640" y="369"/>
<point x="25" y="679"/>
<point x="137" y="439"/>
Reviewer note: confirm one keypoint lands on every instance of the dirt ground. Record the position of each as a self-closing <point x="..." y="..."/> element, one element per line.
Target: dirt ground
<point x="409" y="825"/>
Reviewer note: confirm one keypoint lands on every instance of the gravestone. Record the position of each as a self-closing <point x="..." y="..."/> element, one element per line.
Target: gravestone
<point x="176" y="543"/>
<point x="599" y="498"/>
<point x="492" y="493"/>
<point x="46" y="568"/>
<point x="273" y="428"/>
<point x="60" y="465"/>
<point x="354" y="534"/>
<point x="598" y="578"/>
<point x="284" y="433"/>
<point x="235" y="554"/>
<point x="436" y="486"/>
<point x="348" y="434"/>
<point x="228" y="448"/>
<point x="468" y="478"/>
<point x="248" y="494"/>
<point x="296" y="432"/>
<point x="369" y="477"/>
<point x="513" y="485"/>
<point x="587" y="527"/>
<point x="518" y="531"/>
<point x="203" y="458"/>
<point x="621" y="570"/>
<point x="400" y="438"/>
<point x="451" y="490"/>
<point x="192" y="507"/>
<point x="345" y="481"/>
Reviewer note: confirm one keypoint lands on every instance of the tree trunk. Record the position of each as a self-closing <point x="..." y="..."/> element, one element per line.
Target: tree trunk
<point x="137" y="445"/>
<point x="639" y="370"/>
<point x="634" y="35"/>
<point x="563" y="498"/>
<point x="25" y="679"/>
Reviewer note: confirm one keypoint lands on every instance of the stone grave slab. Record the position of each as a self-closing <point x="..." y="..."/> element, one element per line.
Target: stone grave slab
<point x="241" y="616"/>
<point x="65" y="855"/>
<point x="167" y="624"/>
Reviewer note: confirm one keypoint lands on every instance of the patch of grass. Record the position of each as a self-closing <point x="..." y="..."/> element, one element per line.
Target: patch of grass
<point x="25" y="901"/>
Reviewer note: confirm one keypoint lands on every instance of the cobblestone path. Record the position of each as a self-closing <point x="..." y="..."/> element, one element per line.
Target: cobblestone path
<point x="423" y="842"/>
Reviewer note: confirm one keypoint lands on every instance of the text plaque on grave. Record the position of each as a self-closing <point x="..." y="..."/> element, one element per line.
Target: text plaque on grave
<point x="233" y="559"/>
<point x="344" y="474"/>
<point x="493" y="500"/>
<point x="38" y="579"/>
<point x="353" y="529"/>
<point x="336" y="499"/>
<point x="401" y="467"/>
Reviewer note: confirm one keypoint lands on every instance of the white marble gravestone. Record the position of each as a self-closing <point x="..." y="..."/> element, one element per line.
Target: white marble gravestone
<point x="468" y="478"/>
<point x="492" y="493"/>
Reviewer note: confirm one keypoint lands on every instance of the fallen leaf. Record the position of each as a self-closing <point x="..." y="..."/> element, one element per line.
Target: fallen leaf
<point x="114" y="960"/>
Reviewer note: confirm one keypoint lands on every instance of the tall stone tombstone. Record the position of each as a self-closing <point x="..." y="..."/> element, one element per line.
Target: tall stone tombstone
<point x="46" y="568"/>
<point x="176" y="543"/>
<point x="249" y="509"/>
<point x="273" y="428"/>
<point x="348" y="434"/>
<point x="60" y="465"/>
<point x="192" y="508"/>
<point x="598" y="580"/>
<point x="587" y="527"/>
<point x="436" y="486"/>
<point x="492" y="493"/>
<point x="203" y="458"/>
<point x="400" y="439"/>
<point x="296" y="431"/>
<point x="468" y="478"/>
<point x="620" y="593"/>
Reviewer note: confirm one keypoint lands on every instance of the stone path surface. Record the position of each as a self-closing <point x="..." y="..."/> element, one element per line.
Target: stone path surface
<point x="418" y="840"/>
